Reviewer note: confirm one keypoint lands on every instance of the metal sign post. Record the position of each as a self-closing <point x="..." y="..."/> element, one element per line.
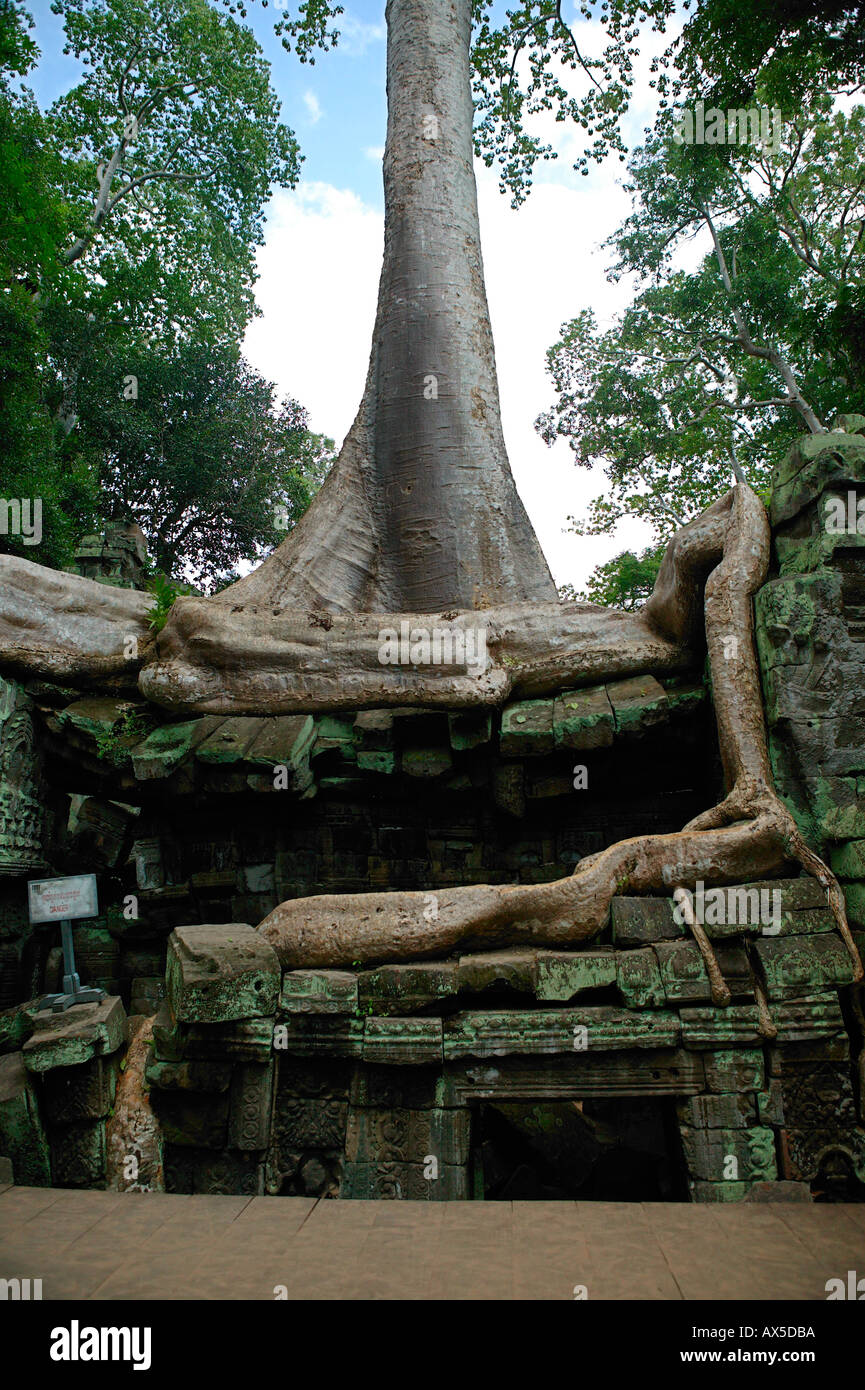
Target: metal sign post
<point x="61" y="900"/>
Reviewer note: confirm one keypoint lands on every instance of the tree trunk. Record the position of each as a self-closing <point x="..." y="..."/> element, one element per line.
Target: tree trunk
<point x="420" y="512"/>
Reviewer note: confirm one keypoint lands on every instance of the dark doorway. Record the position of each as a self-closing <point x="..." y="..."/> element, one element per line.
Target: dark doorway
<point x="836" y="1181"/>
<point x="620" y="1149"/>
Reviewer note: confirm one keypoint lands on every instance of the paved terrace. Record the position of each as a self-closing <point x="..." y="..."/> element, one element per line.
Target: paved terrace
<point x="105" y="1245"/>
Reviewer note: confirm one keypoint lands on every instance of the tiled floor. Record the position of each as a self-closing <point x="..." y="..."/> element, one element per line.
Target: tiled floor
<point x="104" y="1245"/>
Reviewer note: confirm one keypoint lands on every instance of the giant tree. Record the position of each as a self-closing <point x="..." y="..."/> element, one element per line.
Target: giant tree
<point x="420" y="517"/>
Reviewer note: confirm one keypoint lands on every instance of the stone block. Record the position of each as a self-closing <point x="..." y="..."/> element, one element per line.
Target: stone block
<point x="22" y="1137"/>
<point x="96" y="830"/>
<point x="541" y="1032"/>
<point x="249" y="1106"/>
<point x="146" y="994"/>
<point x="546" y="785"/>
<point x="323" y="1078"/>
<point x="209" y="1077"/>
<point x="373" y="728"/>
<point x="316" y="1035"/>
<point x="300" y="1124"/>
<point x="404" y="1181"/>
<point x="563" y="974"/>
<point x="770" y="1104"/>
<point x="407" y="1136"/>
<point x="382" y="760"/>
<point x="730" y="1155"/>
<point x="844" y="822"/>
<point x="229" y="742"/>
<point x="427" y="763"/>
<point x="469" y="728"/>
<point x="817" y="1146"/>
<point x="285" y="741"/>
<point x="164" y="750"/>
<point x="398" y="989"/>
<point x="638" y="703"/>
<point x="734" y="1110"/>
<point x="854" y="896"/>
<point x="75" y="1094"/>
<point x="835" y="1048"/>
<point x="780" y="1191"/>
<point x="683" y="973"/>
<point x="742" y="1069"/>
<point x="661" y="1071"/>
<point x="221" y="972"/>
<point x="583" y="718"/>
<point x="319" y="992"/>
<point x="640" y="921"/>
<point x="800" y="1020"/>
<point x="246" y="1040"/>
<point x="638" y="978"/>
<point x="402" y="1041"/>
<point x="794" y="966"/>
<point x="68" y="1039"/>
<point x="192" y="1120"/>
<point x="397" y="1088"/>
<point x="509" y="792"/>
<point x="515" y="969"/>
<point x="527" y="728"/>
<point x="78" y="1155"/>
<point x="212" y="1172"/>
<point x="16" y="1026"/>
<point x="723" y="1191"/>
<point x="814" y="463"/>
<point x="735" y="1026"/>
<point x="797" y="894"/>
<point x="818" y="1096"/>
<point x="848" y="860"/>
<point x="259" y="878"/>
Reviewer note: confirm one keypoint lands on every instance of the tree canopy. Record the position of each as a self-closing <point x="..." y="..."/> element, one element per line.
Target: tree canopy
<point x="131" y="214"/>
<point x="716" y="366"/>
<point x="196" y="449"/>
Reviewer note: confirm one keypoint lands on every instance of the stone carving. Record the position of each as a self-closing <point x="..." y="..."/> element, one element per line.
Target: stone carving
<point x="22" y="814"/>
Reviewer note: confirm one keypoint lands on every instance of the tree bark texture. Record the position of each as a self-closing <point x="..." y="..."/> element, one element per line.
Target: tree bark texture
<point x="420" y="512"/>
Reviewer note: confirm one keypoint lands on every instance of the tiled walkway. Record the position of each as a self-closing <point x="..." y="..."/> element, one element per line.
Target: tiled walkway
<point x="107" y="1245"/>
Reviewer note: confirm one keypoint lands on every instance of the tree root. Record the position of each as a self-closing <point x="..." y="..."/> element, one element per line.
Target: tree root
<point x="749" y="835"/>
<point x="133" y="1134"/>
<point x="720" y="992"/>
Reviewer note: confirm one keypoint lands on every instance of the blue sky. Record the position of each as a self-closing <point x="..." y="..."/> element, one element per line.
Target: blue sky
<point x="320" y="263"/>
<point x="348" y="84"/>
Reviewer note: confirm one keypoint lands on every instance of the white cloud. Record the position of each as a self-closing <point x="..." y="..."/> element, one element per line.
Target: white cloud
<point x="375" y="153"/>
<point x="542" y="265"/>
<point x="356" y="35"/>
<point x="313" y="107"/>
<point x="318" y="283"/>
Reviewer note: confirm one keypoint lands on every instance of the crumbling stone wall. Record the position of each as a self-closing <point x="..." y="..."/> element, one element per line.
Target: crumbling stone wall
<point x="811" y="642"/>
<point x="367" y="1083"/>
<point x="214" y="820"/>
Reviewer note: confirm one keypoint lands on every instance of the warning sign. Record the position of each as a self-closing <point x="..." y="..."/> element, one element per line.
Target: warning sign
<point x="62" y="899"/>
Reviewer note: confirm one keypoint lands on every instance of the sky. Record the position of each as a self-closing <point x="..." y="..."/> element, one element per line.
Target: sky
<point x="320" y="263"/>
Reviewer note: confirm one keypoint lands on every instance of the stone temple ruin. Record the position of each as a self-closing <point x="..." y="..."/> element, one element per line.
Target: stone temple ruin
<point x="620" y="1066"/>
<point x="580" y="917"/>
